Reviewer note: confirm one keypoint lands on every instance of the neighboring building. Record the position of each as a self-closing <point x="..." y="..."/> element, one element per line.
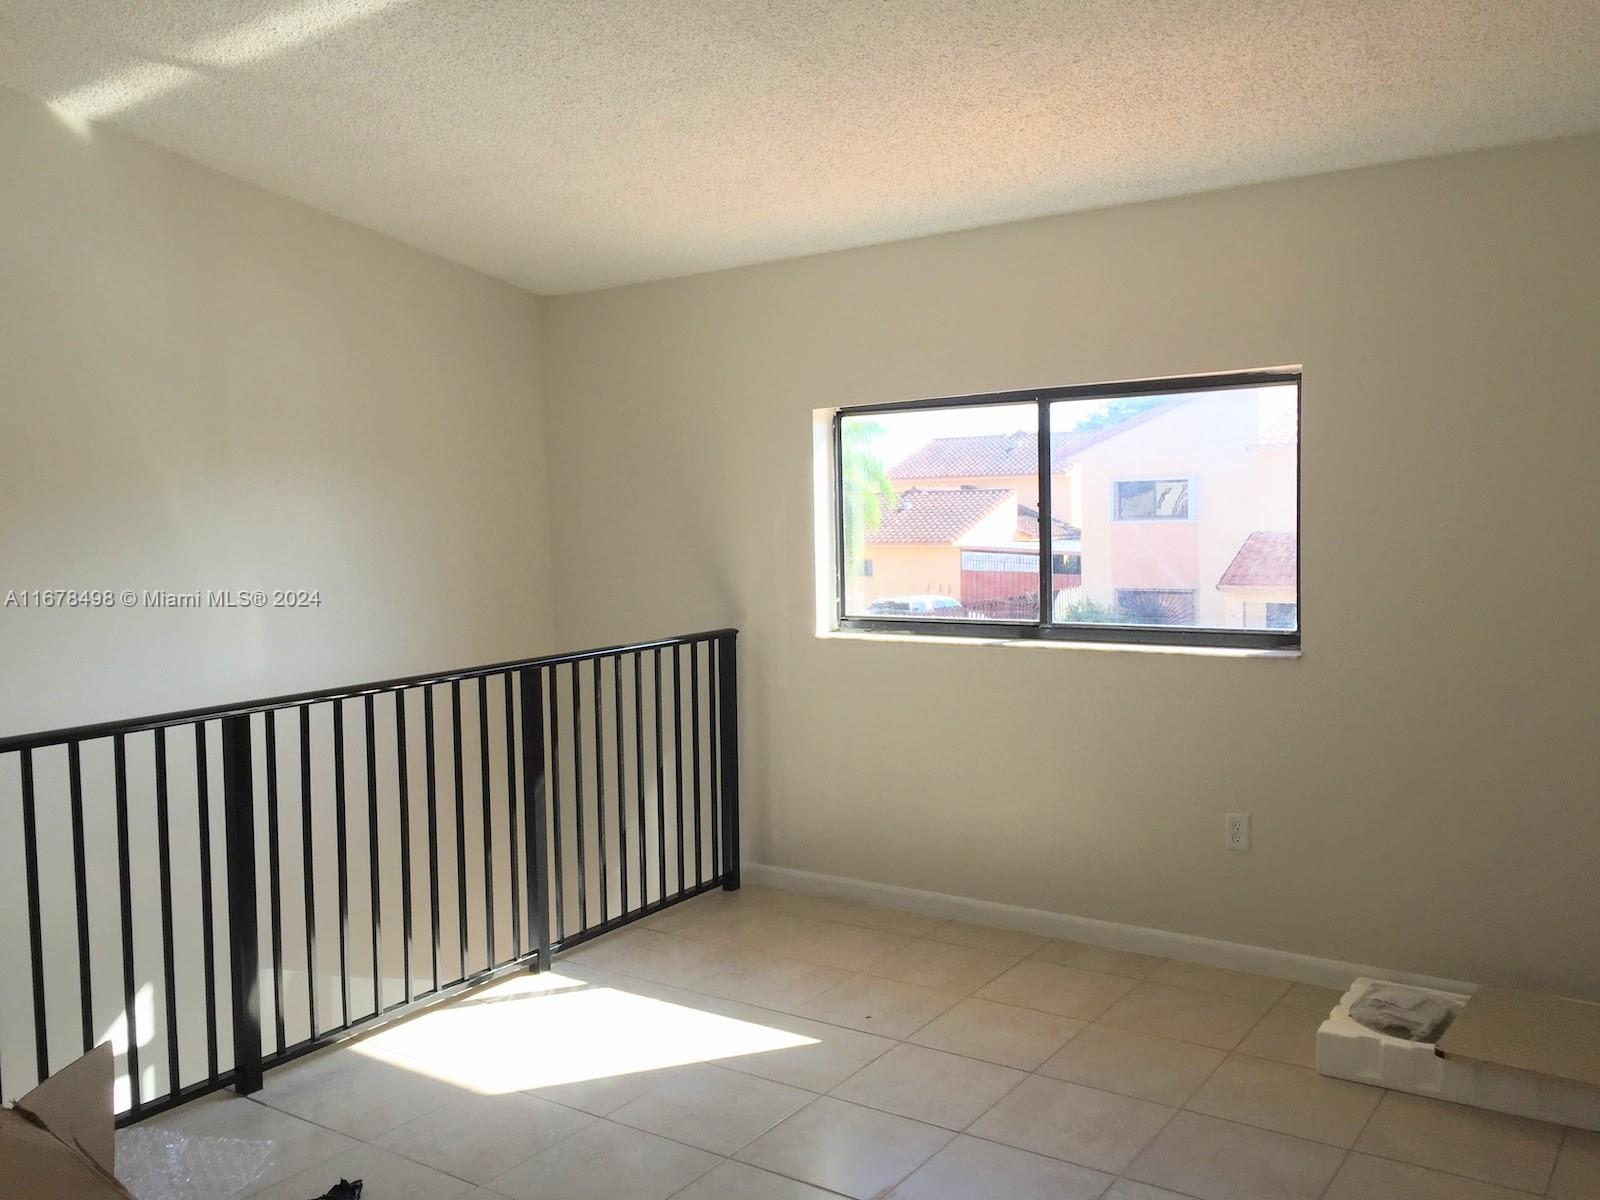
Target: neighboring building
<point x="978" y="545"/>
<point x="1182" y="515"/>
<point x="1259" y="584"/>
<point x="1004" y="460"/>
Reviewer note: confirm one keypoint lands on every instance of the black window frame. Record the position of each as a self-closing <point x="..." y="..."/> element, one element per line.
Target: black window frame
<point x="1045" y="629"/>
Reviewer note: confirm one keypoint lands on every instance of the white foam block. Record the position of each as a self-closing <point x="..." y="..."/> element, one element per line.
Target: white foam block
<point x="1349" y="1050"/>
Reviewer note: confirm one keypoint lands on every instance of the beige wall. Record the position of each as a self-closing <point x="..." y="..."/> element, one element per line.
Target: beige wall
<point x="203" y="385"/>
<point x="1423" y="781"/>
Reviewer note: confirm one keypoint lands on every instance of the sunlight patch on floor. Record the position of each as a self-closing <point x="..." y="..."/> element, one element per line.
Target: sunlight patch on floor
<point x="542" y="1031"/>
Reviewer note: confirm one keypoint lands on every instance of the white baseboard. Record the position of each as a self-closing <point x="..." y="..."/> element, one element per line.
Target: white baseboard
<point x="1235" y="956"/>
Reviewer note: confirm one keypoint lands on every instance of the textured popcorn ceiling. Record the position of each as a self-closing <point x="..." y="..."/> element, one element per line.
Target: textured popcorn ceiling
<point x="574" y="144"/>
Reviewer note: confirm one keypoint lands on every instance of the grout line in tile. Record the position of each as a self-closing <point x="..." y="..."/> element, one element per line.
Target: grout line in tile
<point x="905" y="1039"/>
<point x="1173" y="1190"/>
<point x="1327" y="1187"/>
<point x="1277" y="1002"/>
<point x="1439" y="1170"/>
<point x="920" y="1164"/>
<point x="1027" y="1076"/>
<point x="769" y="1170"/>
<point x="1561" y="1148"/>
<point x="1033" y="954"/>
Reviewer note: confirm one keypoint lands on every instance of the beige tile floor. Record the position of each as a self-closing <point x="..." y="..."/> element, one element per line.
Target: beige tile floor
<point x="763" y="1045"/>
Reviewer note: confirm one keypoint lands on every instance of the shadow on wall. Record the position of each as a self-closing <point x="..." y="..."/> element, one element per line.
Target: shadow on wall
<point x="219" y="391"/>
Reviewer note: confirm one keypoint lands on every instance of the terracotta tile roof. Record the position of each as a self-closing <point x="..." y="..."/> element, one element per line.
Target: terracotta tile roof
<point x="1267" y="559"/>
<point x="1281" y="432"/>
<point x="936" y="516"/>
<point x="1009" y="453"/>
<point x="1028" y="527"/>
<point x="980" y="454"/>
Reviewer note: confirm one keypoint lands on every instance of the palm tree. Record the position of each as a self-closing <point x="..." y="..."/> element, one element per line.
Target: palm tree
<point x="867" y="490"/>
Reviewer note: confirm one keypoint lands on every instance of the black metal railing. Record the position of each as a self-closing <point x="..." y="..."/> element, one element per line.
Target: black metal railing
<point x="560" y="797"/>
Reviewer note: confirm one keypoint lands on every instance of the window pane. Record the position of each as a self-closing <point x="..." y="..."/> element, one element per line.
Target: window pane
<point x="943" y="503"/>
<point x="1152" y="500"/>
<point x="1184" y="507"/>
<point x="1172" y="499"/>
<point x="1283" y="616"/>
<point x="1136" y="500"/>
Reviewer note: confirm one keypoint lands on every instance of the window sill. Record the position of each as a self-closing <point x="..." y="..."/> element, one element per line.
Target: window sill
<point x="923" y="639"/>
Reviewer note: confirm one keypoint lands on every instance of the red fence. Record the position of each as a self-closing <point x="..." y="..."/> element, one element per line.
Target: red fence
<point x="1008" y="595"/>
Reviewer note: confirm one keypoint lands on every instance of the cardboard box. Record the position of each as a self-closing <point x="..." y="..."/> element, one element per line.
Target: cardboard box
<point x="59" y="1141"/>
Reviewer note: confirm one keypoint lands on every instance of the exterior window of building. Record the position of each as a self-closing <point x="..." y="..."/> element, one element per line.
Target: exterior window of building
<point x="1282" y="616"/>
<point x="1152" y="500"/>
<point x="1154" y="606"/>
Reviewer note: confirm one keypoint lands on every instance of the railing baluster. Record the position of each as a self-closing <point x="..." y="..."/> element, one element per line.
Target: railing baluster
<point x="405" y="839"/>
<point x="342" y="849"/>
<point x="274" y="878"/>
<point x="694" y="750"/>
<point x="461" y="822"/>
<point x="622" y="789"/>
<point x="309" y="878"/>
<point x="511" y="820"/>
<point x="554" y="759"/>
<point x="119" y="750"/>
<point x="169" y="975"/>
<point x="30" y="855"/>
<point x="202" y="789"/>
<point x="238" y="797"/>
<point x="712" y="689"/>
<point x="638" y="774"/>
<point x="374" y="876"/>
<point x="80" y="887"/>
<point x="661" y="785"/>
<point x="600" y="795"/>
<point x="535" y="851"/>
<point x="577" y="794"/>
<point x="677" y="753"/>
<point x="430" y="760"/>
<point x="488" y="821"/>
<point x="533" y="811"/>
<point x="728" y="718"/>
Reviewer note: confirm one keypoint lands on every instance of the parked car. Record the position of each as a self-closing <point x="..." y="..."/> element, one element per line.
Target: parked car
<point x="916" y="606"/>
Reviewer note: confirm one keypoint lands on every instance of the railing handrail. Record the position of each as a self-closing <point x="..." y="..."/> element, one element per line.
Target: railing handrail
<point x="83" y="733"/>
<point x="696" y="846"/>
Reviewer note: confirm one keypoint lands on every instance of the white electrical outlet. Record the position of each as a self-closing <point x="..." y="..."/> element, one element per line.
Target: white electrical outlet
<point x="1236" y="831"/>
